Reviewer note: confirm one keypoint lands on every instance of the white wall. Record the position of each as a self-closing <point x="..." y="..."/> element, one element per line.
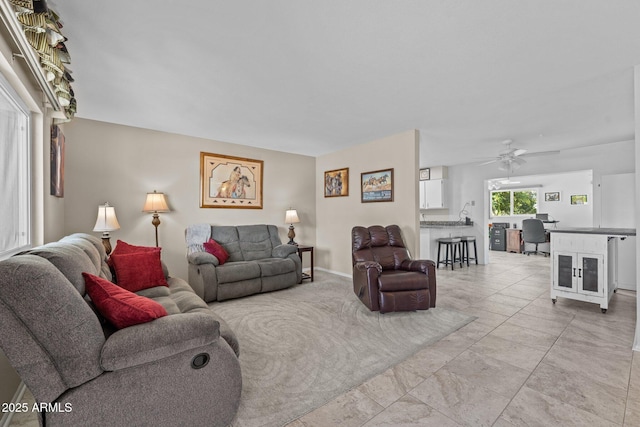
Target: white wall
<point x="338" y="215"/>
<point x="120" y="164"/>
<point x="636" y="157"/>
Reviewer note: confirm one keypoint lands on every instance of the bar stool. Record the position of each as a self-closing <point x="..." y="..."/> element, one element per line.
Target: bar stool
<point x="451" y="244"/>
<point x="464" y="242"/>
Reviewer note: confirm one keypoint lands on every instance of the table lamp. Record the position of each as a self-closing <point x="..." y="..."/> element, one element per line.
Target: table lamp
<point x="291" y="217"/>
<point x="105" y="223"/>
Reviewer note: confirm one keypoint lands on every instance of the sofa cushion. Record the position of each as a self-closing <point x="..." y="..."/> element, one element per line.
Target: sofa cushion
<point x="237" y="271"/>
<point x="276" y="266"/>
<point x="255" y="242"/>
<point x="215" y="249"/>
<point x="71" y="260"/>
<point x="139" y="270"/>
<point x="120" y="306"/>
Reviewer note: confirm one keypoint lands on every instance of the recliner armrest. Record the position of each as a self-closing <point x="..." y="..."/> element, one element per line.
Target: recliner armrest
<point x="365" y="265"/>
<point x="421" y="265"/>
<point x="199" y="258"/>
<point x="159" y="339"/>
<point x="283" y="251"/>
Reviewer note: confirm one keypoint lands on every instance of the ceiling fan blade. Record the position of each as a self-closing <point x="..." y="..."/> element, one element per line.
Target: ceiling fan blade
<point x="519" y="152"/>
<point x="519" y="161"/>
<point x="487" y="162"/>
<point x="540" y="153"/>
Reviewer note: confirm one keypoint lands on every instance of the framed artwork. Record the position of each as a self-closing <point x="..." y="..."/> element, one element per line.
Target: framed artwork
<point x="57" y="162"/>
<point x="336" y="183"/>
<point x="552" y="197"/>
<point x="425" y="174"/>
<point x="579" y="199"/>
<point x="377" y="186"/>
<point x="230" y="182"/>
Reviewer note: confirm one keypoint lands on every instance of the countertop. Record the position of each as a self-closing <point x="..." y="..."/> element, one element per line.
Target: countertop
<point x="444" y="224"/>
<point x="595" y="230"/>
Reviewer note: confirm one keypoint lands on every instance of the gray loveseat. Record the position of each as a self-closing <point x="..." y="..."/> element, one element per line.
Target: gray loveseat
<point x="149" y="374"/>
<point x="258" y="261"/>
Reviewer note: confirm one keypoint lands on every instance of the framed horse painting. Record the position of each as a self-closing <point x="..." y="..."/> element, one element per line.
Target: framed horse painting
<point x="377" y="186"/>
<point x="230" y="182"/>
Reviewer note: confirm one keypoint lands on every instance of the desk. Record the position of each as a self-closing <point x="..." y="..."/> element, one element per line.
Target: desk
<point x="301" y="249"/>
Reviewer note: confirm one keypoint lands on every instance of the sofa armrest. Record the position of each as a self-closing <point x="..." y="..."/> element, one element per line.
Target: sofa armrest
<point x="422" y="265"/>
<point x="199" y="258"/>
<point x="283" y="251"/>
<point x="159" y="339"/>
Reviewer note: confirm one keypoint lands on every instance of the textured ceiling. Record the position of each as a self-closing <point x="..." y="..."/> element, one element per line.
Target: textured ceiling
<point x="312" y="77"/>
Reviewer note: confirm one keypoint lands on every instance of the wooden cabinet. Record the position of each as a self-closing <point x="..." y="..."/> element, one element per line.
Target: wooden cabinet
<point x="433" y="194"/>
<point x="514" y="240"/>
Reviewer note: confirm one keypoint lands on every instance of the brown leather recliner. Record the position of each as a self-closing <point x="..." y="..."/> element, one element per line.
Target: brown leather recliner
<point x="384" y="276"/>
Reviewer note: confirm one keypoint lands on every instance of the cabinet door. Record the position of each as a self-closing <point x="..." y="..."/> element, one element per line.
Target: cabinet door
<point x="565" y="276"/>
<point x="591" y="274"/>
<point x="423" y="194"/>
<point x="434" y="194"/>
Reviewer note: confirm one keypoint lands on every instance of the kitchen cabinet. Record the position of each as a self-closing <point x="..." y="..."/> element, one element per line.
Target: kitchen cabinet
<point x="433" y="194"/>
<point x="584" y="264"/>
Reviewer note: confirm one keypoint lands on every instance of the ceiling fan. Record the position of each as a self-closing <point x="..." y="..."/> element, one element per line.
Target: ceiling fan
<point x="511" y="158"/>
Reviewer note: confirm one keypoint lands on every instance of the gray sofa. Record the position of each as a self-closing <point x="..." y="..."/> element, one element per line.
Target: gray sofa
<point x="144" y="375"/>
<point x="258" y="261"/>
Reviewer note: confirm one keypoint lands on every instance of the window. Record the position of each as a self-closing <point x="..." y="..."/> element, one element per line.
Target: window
<point x="15" y="183"/>
<point x="514" y="202"/>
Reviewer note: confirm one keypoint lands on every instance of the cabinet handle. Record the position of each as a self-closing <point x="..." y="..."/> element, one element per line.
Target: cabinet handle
<point x="580" y="272"/>
<point x="574" y="272"/>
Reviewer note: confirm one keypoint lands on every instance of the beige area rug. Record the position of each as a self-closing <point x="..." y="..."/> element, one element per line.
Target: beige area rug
<point x="303" y="346"/>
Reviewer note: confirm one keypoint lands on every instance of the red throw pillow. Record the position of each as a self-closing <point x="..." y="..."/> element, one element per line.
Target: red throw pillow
<point x="121" y="307"/>
<point x="216" y="249"/>
<point x="139" y="270"/>
<point x="126" y="248"/>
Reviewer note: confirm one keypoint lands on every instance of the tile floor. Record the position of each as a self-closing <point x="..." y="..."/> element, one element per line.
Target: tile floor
<point x="522" y="362"/>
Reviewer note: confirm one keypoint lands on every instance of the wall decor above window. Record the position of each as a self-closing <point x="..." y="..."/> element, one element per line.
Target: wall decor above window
<point x="38" y="28"/>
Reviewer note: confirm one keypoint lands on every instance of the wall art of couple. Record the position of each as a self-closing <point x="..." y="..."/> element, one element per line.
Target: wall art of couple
<point x="230" y="182"/>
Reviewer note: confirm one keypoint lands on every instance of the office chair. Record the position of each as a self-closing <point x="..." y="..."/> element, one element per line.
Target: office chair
<point x="533" y="232"/>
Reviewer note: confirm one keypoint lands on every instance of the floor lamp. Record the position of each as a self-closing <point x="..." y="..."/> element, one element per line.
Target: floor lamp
<point x="155" y="203"/>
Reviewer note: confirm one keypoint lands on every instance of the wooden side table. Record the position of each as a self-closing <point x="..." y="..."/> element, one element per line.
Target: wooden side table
<point x="301" y="249"/>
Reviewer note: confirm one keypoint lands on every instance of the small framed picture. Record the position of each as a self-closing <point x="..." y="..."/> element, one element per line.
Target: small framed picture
<point x="425" y="174"/>
<point x="336" y="183"/>
<point x="552" y="197"/>
<point x="579" y="199"/>
<point x="377" y="186"/>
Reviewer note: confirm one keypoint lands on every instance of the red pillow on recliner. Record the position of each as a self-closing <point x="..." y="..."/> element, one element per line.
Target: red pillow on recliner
<point x="216" y="249"/>
<point x="121" y="307"/>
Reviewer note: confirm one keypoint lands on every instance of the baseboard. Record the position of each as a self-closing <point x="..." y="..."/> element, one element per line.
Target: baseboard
<point x="5" y="421"/>
<point x="338" y="273"/>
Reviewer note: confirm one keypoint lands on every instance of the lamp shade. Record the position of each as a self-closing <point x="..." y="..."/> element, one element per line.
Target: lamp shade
<point x="107" y="220"/>
<point x="291" y="217"/>
<point x="155" y="202"/>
